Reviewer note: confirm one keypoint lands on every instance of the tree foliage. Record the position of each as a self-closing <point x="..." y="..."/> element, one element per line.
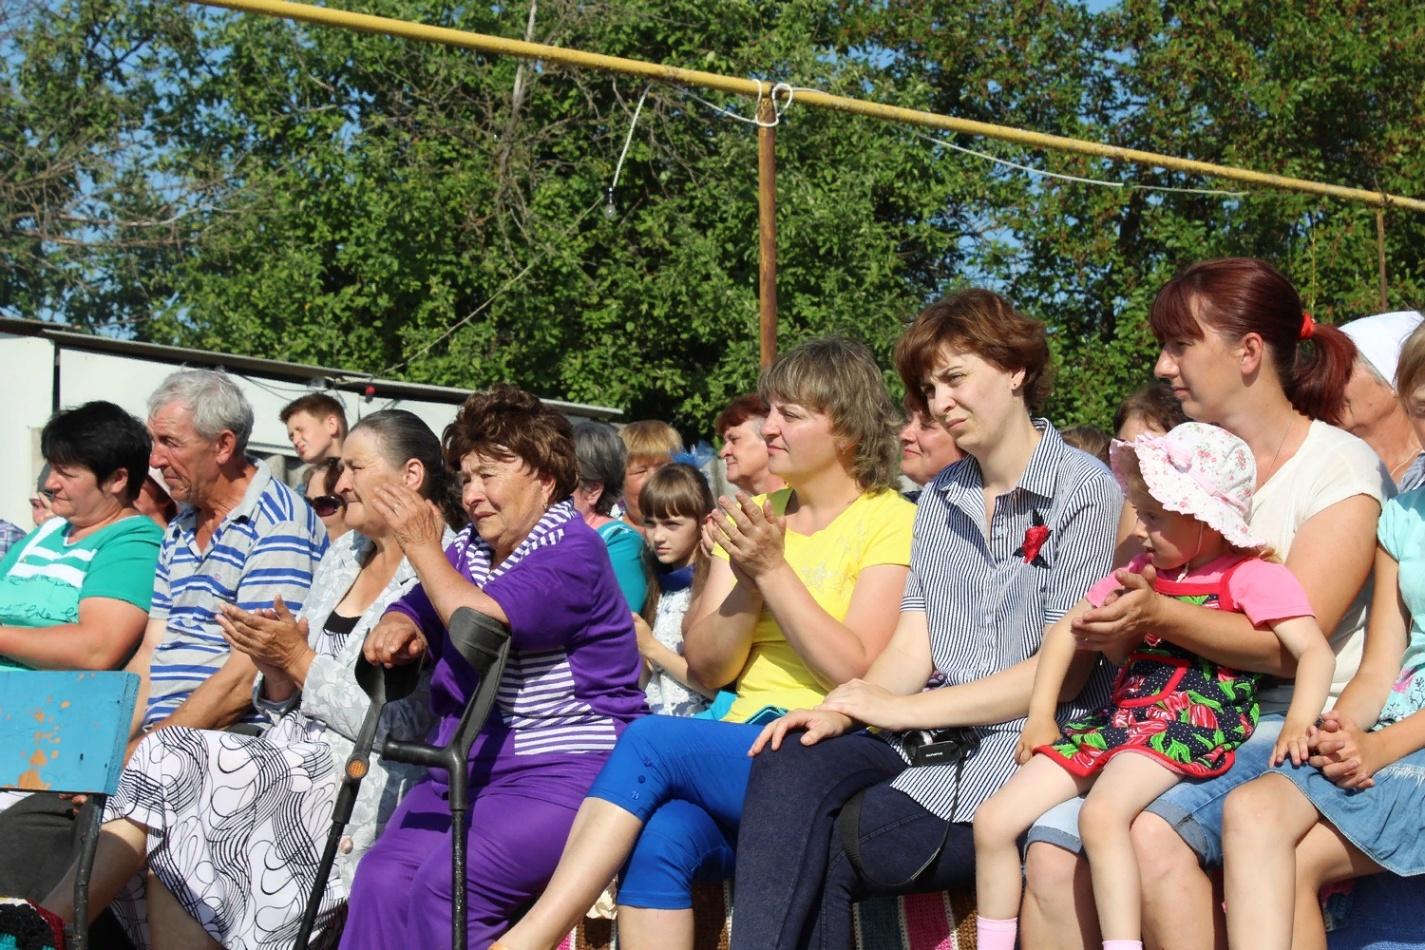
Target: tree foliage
<point x="198" y="177"/>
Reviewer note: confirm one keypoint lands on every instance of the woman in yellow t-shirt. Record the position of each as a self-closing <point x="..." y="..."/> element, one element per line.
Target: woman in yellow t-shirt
<point x="802" y="595"/>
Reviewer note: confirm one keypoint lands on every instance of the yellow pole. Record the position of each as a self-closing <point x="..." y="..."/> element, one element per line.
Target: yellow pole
<point x="809" y="97"/>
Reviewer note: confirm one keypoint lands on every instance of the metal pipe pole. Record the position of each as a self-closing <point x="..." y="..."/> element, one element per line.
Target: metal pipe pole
<point x="767" y="228"/>
<point x="387" y="26"/>
<point x="1380" y="259"/>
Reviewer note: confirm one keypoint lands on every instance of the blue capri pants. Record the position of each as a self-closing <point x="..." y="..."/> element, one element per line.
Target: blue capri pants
<point x="685" y="779"/>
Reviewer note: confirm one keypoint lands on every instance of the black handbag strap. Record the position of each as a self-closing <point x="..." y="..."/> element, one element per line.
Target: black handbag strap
<point x="848" y="824"/>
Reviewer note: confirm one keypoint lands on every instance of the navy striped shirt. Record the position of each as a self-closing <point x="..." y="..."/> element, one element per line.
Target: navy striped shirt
<point x="268" y="545"/>
<point x="987" y="607"/>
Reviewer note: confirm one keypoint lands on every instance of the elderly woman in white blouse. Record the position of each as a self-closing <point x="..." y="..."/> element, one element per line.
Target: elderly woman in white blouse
<point x="230" y="827"/>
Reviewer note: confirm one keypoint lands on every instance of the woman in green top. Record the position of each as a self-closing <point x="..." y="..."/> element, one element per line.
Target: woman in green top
<point x="602" y="457"/>
<point x="74" y="594"/>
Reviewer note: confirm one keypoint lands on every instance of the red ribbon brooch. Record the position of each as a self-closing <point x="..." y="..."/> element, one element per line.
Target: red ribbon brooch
<point x="1034" y="537"/>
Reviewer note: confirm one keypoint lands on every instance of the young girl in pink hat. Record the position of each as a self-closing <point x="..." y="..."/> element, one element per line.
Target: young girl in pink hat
<point x="1181" y="715"/>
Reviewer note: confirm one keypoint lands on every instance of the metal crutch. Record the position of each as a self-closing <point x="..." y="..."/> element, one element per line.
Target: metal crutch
<point x="383" y="686"/>
<point x="484" y="643"/>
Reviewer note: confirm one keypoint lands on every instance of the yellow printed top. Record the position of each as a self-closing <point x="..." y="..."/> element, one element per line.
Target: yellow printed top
<point x="874" y="529"/>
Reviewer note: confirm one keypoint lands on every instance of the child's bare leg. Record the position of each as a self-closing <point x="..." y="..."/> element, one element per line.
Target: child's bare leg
<point x="119" y="855"/>
<point x="1127" y="785"/>
<point x="1323" y="857"/>
<point x="1038" y="786"/>
<point x="1262" y="823"/>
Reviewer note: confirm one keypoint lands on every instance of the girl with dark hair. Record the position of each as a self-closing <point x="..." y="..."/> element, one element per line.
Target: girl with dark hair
<point x="75" y="592"/>
<point x="1151" y="408"/>
<point x="1238" y="351"/>
<point x="675" y="502"/>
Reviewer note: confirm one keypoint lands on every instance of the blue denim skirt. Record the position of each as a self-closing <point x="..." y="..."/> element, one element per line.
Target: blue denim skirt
<point x="1386" y="821"/>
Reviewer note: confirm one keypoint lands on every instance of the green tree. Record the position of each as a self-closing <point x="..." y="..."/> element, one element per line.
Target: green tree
<point x="240" y="183"/>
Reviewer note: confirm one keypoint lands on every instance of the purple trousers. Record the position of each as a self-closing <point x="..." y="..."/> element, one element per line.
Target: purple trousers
<point x="518" y="823"/>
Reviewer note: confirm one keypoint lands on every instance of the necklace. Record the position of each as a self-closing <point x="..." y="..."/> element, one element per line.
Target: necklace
<point x="1409" y="457"/>
<point x="1272" y="465"/>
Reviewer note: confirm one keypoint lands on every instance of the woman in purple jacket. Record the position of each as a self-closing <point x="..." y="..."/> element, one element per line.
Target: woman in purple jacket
<point x="570" y="687"/>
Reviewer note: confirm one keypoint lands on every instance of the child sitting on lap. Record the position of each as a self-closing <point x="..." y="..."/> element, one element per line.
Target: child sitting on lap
<point x="1180" y="714"/>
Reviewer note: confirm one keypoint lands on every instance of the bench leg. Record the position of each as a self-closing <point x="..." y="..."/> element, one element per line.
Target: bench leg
<point x="91" y="815"/>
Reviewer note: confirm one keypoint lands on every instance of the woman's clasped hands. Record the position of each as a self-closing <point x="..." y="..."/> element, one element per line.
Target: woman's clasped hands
<point x="274" y="638"/>
<point x="752" y="535"/>
<point x="1344" y="752"/>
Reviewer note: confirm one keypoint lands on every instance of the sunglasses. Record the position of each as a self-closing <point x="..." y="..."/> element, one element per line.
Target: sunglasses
<point x="327" y="505"/>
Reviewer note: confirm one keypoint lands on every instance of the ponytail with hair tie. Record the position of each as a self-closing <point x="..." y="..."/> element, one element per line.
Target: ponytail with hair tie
<point x="1243" y="295"/>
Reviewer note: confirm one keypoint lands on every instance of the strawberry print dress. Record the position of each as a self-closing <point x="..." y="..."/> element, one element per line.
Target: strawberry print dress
<point x="1187" y="712"/>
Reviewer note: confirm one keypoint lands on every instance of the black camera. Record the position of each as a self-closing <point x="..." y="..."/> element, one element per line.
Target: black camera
<point x="941" y="746"/>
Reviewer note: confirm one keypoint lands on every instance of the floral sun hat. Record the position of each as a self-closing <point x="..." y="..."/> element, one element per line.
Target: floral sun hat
<point x="1198" y="470"/>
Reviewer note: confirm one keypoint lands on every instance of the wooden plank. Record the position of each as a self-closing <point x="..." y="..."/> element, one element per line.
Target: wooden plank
<point x="64" y="731"/>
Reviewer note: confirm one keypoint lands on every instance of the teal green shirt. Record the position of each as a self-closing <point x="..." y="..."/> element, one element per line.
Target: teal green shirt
<point x="44" y="577"/>
<point x="625" y="546"/>
<point x="1401" y="532"/>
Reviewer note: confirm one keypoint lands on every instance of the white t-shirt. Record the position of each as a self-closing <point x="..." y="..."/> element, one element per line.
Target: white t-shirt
<point x="1331" y="466"/>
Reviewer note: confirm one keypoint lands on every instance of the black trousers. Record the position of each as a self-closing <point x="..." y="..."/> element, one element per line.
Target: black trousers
<point x="39" y="840"/>
<point x="795" y="884"/>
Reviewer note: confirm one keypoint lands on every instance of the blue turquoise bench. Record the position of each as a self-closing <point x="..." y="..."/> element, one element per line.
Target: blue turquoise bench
<point x="67" y="732"/>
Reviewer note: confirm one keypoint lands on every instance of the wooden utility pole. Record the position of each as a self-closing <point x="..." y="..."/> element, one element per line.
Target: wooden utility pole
<point x="1380" y="259"/>
<point x="767" y="226"/>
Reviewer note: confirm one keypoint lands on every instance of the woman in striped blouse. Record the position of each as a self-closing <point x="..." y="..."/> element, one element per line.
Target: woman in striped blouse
<point x="1006" y="541"/>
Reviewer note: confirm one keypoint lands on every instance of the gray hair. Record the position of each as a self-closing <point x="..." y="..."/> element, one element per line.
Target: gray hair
<point x="402" y="435"/>
<point x="214" y="399"/>
<point x="602" y="458"/>
<point x="1370" y="368"/>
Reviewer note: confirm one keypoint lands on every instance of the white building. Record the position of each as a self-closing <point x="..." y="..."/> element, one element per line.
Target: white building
<point x="44" y="368"/>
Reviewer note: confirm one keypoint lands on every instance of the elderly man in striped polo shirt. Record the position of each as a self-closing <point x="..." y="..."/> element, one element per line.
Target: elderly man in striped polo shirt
<point x="241" y="537"/>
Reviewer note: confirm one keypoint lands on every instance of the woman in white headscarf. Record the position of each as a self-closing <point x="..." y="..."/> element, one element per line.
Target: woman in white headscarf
<point x="1372" y="411"/>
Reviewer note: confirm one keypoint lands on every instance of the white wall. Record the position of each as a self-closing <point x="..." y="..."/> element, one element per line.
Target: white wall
<point x="26" y="373"/>
<point x="26" y="381"/>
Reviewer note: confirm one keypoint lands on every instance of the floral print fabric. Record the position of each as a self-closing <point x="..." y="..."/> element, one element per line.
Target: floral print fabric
<point x="1185" y="711"/>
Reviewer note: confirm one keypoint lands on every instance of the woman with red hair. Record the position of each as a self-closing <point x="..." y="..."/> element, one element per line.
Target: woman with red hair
<point x="1238" y="350"/>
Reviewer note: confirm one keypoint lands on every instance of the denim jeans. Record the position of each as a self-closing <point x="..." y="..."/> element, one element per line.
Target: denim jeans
<point x="795" y="884"/>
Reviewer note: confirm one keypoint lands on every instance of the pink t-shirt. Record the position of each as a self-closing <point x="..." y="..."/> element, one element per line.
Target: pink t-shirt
<point x="1263" y="591"/>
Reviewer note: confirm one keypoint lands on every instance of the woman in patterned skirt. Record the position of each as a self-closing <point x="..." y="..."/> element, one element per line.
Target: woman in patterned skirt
<point x="229" y="827"/>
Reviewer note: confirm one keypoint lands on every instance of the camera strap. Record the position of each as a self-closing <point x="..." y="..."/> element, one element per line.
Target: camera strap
<point x="848" y="823"/>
